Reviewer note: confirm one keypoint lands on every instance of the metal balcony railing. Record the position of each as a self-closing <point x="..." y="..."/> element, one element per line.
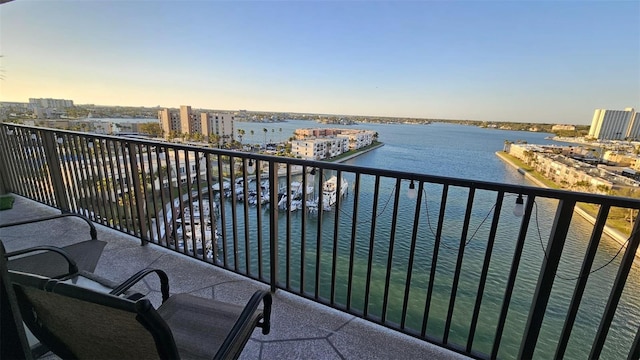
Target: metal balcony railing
<point x="442" y="259"/>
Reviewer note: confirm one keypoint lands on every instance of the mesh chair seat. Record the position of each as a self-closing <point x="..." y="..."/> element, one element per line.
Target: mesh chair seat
<point x="190" y="318"/>
<point x="76" y="322"/>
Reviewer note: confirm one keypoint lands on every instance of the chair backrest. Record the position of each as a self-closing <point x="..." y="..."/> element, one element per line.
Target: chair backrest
<point x="76" y="322"/>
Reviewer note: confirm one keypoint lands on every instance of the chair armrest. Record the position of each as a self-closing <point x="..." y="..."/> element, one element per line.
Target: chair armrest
<point x="92" y="228"/>
<point x="243" y="321"/>
<point x="127" y="284"/>
<point x="73" y="267"/>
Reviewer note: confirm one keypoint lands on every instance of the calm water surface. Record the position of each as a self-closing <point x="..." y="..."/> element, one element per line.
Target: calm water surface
<point x="462" y="152"/>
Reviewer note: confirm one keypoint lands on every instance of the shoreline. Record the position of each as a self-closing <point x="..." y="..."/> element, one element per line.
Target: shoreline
<point x="358" y="153"/>
<point x="611" y="232"/>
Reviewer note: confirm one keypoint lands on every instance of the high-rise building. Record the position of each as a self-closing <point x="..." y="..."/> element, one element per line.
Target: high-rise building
<point x="634" y="127"/>
<point x="219" y="124"/>
<point x="184" y="121"/>
<point x="613" y="124"/>
<point x="50" y="103"/>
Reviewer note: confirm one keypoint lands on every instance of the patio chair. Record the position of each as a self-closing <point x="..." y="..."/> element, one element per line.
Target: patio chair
<point x="76" y="322"/>
<point x="72" y="275"/>
<point x="13" y="339"/>
<point x="57" y="262"/>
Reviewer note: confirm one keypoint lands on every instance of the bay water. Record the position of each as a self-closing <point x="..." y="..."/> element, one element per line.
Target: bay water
<point x="458" y="151"/>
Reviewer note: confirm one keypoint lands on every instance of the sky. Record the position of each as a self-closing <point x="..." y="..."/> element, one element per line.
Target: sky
<point x="521" y="61"/>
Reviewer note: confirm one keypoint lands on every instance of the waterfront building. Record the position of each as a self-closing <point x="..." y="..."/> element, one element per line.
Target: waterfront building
<point x="218" y="124"/>
<point x="357" y="139"/>
<point x="186" y="121"/>
<point x="318" y="149"/>
<point x="169" y="121"/>
<point x="563" y="127"/>
<point x="556" y="164"/>
<point x="614" y="124"/>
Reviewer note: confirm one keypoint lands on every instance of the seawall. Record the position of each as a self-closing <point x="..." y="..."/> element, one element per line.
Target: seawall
<point x="358" y="153"/>
<point x="613" y="233"/>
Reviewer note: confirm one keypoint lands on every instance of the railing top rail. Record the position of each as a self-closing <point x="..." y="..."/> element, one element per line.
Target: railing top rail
<point x="451" y="181"/>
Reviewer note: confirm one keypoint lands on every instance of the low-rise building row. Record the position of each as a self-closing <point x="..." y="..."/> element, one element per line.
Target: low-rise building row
<point x="575" y="168"/>
<point x="324" y="143"/>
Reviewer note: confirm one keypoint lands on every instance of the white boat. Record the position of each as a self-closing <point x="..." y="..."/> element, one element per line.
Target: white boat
<point x="206" y="211"/>
<point x="330" y="191"/>
<point x="225" y="186"/>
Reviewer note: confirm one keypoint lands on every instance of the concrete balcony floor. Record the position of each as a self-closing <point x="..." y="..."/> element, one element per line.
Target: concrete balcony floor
<point x="300" y="329"/>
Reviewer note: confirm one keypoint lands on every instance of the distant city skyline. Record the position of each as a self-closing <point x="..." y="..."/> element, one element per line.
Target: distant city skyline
<point x="547" y="62"/>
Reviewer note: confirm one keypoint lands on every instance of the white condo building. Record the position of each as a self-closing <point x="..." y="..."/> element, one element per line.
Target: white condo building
<point x="615" y="124"/>
<point x="318" y="149"/>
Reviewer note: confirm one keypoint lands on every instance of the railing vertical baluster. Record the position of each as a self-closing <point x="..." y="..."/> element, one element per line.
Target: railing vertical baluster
<point x="5" y="175"/>
<point x="31" y="176"/>
<point x="245" y="206"/>
<point x="548" y="269"/>
<point x="515" y="263"/>
<point x="130" y="185"/>
<point x="458" y="271"/>
<point x="485" y="270"/>
<point x="392" y="240"/>
<point x="8" y="171"/>
<point x="53" y="160"/>
<point x="79" y="174"/>
<point x="98" y="179"/>
<point x="48" y="155"/>
<point x="316" y="292"/>
<point x="144" y="175"/>
<point x="259" y="219"/>
<point x="434" y="257"/>
<point x="336" y="222"/>
<point x="634" y="353"/>
<point x="412" y="250"/>
<point x="590" y="254"/>
<point x="273" y="226"/>
<point x="288" y="231"/>
<point x="212" y="210"/>
<point x="223" y="220"/>
<point x="87" y="148"/>
<point x="180" y="207"/>
<point x="152" y="176"/>
<point x="203" y="220"/>
<point x="140" y="201"/>
<point x="616" y="290"/>
<point x="25" y="160"/>
<point x="352" y="249"/>
<point x="21" y="145"/>
<point x="372" y="234"/>
<point x="303" y="233"/>
<point x="163" y="201"/>
<point x="107" y="187"/>
<point x="116" y="181"/>
<point x="234" y="210"/>
<point x="189" y="199"/>
<point x="98" y="203"/>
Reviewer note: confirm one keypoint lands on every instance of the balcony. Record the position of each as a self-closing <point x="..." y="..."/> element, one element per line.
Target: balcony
<point x="404" y="265"/>
<point x="300" y="328"/>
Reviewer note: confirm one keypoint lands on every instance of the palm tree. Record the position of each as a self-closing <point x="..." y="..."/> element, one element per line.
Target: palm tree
<point x="265" y="137"/>
<point x="240" y="134"/>
<point x="252" y="133"/>
<point x="214" y="139"/>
